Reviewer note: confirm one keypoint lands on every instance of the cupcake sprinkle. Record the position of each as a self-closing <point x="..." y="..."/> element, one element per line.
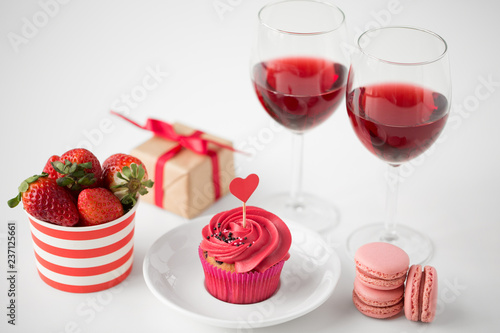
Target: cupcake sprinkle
<point x="227" y="237"/>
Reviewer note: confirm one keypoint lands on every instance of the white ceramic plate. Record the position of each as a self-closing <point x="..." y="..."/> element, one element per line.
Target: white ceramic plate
<point x="174" y="274"/>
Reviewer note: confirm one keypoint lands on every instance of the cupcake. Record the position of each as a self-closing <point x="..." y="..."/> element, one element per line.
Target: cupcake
<point x="242" y="253"/>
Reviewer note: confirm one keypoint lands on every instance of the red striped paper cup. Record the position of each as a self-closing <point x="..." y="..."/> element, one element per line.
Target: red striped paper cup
<point x="84" y="259"/>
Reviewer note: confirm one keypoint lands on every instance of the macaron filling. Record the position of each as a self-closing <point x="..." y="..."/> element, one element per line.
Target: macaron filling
<point x="382" y="312"/>
<point x="376" y="297"/>
<point x="378" y="283"/>
<point x="428" y="295"/>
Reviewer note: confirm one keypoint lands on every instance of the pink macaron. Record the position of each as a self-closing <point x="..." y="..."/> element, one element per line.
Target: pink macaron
<point x="375" y="311"/>
<point x="421" y="294"/>
<point x="377" y="283"/>
<point x="381" y="265"/>
<point x="378" y="298"/>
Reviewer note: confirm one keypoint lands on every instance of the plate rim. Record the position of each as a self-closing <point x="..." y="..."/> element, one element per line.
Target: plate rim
<point x="334" y="258"/>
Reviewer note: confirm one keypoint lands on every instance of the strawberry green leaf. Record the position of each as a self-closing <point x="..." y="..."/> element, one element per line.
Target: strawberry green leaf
<point x="78" y="174"/>
<point x="72" y="168"/>
<point x="14" y="201"/>
<point x="58" y="166"/>
<point x="128" y="200"/>
<point x="87" y="165"/>
<point x="133" y="166"/>
<point x="119" y="175"/>
<point x="67" y="166"/>
<point x="32" y="179"/>
<point x="87" y="179"/>
<point x="65" y="181"/>
<point x="141" y="173"/>
<point x="23" y="187"/>
<point x="126" y="172"/>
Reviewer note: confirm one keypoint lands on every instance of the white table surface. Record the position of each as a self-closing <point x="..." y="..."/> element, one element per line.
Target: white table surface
<point x="60" y="77"/>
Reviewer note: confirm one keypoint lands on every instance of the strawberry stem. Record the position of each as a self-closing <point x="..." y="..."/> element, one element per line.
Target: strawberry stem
<point x="25" y="184"/>
<point x="133" y="184"/>
<point x="75" y="175"/>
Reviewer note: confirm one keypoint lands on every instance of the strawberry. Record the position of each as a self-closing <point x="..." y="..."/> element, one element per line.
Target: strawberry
<point x="126" y="176"/>
<point x="45" y="200"/>
<point x="98" y="205"/>
<point x="49" y="169"/>
<point x="78" y="169"/>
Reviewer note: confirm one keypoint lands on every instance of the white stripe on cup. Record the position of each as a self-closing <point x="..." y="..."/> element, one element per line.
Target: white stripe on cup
<point x="85" y="280"/>
<point x="84" y="262"/>
<point x="82" y="244"/>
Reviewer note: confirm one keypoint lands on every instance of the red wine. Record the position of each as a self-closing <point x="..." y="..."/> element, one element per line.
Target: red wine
<point x="396" y="121"/>
<point x="299" y="92"/>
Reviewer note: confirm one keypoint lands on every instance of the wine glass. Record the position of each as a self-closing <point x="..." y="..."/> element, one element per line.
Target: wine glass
<point x="397" y="98"/>
<point x="299" y="72"/>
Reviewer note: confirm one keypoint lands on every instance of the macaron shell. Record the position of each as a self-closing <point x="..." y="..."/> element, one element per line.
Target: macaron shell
<point x="379" y="284"/>
<point x="429" y="295"/>
<point x="378" y="298"/>
<point x="382" y="260"/>
<point x="376" y="312"/>
<point x="412" y="293"/>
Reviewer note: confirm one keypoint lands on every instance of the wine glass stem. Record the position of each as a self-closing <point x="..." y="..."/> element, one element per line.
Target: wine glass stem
<point x="390" y="234"/>
<point x="297" y="162"/>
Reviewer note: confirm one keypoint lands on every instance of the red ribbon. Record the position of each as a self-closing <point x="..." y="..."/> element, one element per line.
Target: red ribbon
<point x="193" y="142"/>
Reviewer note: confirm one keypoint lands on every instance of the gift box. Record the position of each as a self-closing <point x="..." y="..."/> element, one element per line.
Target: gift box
<point x="191" y="170"/>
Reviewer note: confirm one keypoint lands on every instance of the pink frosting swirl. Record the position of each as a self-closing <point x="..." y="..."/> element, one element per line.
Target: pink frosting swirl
<point x="263" y="242"/>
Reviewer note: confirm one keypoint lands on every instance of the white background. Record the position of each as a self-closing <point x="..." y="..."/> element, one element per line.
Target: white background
<point x="59" y="80"/>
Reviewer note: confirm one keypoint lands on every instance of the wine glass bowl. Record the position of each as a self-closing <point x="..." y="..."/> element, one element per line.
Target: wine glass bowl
<point x="398" y="99"/>
<point x="299" y="92"/>
<point x="298" y="68"/>
<point x="299" y="72"/>
<point x="396" y="121"/>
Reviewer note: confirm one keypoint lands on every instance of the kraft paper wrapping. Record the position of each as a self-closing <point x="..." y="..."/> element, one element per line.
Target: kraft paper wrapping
<point x="188" y="187"/>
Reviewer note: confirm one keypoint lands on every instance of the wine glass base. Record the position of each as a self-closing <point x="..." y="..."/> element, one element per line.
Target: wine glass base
<point x="417" y="245"/>
<point x="310" y="211"/>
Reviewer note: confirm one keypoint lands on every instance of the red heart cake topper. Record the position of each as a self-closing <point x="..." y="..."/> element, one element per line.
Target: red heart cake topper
<point x="243" y="188"/>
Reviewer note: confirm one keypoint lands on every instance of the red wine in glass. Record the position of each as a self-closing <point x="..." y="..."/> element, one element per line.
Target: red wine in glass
<point x="299" y="92"/>
<point x="396" y="121"/>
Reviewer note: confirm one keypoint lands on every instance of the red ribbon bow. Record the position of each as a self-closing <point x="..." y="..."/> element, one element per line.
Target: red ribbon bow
<point x="193" y="142"/>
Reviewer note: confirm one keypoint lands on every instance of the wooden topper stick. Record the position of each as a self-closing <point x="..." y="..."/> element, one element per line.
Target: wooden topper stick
<point x="244" y="215"/>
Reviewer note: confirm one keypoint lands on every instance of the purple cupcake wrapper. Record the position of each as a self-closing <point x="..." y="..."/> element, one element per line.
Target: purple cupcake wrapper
<point x="240" y="288"/>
